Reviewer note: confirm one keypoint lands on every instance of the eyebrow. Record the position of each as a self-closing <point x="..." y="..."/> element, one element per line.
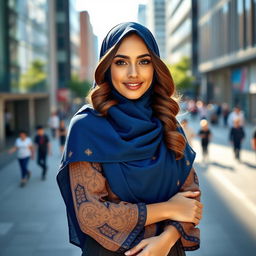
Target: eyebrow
<point x="127" y="57"/>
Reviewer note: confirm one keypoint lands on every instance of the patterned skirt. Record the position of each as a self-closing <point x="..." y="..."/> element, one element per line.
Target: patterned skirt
<point x="93" y="248"/>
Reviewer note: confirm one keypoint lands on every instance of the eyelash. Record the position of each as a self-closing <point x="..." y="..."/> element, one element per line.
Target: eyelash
<point x="142" y="62"/>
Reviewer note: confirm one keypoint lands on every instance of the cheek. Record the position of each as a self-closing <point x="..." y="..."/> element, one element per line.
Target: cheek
<point x="115" y="74"/>
<point x="149" y="74"/>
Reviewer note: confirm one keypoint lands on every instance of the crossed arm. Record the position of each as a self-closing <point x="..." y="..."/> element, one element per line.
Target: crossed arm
<point x="115" y="224"/>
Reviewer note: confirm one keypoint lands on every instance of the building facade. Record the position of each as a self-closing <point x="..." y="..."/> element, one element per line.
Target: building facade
<point x="67" y="48"/>
<point x="156" y="23"/>
<point x="227" y="55"/>
<point x="88" y="49"/>
<point x="178" y="29"/>
<point x="181" y="35"/>
<point x="39" y="53"/>
<point x="24" y="66"/>
<point x="142" y="14"/>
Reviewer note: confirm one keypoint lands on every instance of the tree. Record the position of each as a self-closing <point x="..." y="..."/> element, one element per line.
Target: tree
<point x="181" y="74"/>
<point x="78" y="87"/>
<point x="34" y="76"/>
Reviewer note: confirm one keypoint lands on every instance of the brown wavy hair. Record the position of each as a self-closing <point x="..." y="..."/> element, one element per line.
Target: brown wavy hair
<point x="165" y="105"/>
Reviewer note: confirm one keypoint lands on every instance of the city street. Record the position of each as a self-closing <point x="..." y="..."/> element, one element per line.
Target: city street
<point x="33" y="220"/>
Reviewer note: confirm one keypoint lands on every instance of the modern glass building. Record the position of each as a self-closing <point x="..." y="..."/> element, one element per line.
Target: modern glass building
<point x="178" y="29"/>
<point x="23" y="65"/>
<point x="156" y="23"/>
<point x="227" y="55"/>
<point x="68" y="46"/>
<point x="39" y="52"/>
<point x="181" y="34"/>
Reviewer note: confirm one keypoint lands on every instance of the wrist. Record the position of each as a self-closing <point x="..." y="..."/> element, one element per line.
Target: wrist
<point x="168" y="210"/>
<point x="170" y="235"/>
<point x="171" y="232"/>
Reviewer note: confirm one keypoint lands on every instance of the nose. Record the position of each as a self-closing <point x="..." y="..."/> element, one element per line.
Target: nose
<point x="132" y="71"/>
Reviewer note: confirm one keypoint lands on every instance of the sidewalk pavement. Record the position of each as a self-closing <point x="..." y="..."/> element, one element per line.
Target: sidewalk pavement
<point x="33" y="219"/>
<point x="228" y="227"/>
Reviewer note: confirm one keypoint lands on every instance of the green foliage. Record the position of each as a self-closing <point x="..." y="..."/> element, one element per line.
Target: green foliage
<point x="181" y="74"/>
<point x="34" y="76"/>
<point x="78" y="87"/>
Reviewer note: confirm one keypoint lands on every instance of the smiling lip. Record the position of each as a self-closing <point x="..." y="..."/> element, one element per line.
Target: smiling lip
<point x="133" y="86"/>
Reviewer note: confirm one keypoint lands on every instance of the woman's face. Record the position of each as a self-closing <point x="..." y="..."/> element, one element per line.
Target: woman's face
<point x="131" y="68"/>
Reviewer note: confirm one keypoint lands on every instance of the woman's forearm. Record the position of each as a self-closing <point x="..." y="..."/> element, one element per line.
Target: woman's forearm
<point x="156" y="213"/>
<point x="181" y="207"/>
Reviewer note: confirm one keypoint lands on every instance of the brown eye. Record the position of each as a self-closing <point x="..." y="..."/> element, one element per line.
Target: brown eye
<point x="120" y="62"/>
<point x="145" y="61"/>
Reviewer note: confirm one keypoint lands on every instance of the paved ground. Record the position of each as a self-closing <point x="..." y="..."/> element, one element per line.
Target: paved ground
<point x="33" y="221"/>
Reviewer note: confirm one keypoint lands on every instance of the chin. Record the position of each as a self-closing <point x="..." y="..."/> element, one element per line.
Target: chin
<point x="133" y="96"/>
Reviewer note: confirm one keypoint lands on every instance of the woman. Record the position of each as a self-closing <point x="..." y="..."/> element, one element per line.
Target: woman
<point x="126" y="158"/>
<point x="23" y="145"/>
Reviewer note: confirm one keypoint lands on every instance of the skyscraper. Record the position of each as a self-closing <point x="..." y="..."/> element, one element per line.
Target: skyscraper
<point x="227" y="52"/>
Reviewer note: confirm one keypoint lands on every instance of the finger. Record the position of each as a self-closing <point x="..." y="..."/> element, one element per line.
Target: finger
<point x="199" y="216"/>
<point x="142" y="253"/>
<point x="137" y="248"/>
<point x="196" y="221"/>
<point x="190" y="193"/>
<point x="199" y="204"/>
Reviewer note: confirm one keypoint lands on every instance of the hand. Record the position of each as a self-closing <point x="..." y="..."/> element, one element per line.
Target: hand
<point x="157" y="245"/>
<point x="184" y="208"/>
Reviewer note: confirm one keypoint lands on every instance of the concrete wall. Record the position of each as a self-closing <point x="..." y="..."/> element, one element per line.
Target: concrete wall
<point x="27" y="112"/>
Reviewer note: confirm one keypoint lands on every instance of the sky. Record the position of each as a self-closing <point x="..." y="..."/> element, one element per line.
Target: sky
<point x="105" y="14"/>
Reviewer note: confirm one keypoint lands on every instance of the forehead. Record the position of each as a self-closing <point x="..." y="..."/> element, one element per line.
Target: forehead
<point x="132" y="45"/>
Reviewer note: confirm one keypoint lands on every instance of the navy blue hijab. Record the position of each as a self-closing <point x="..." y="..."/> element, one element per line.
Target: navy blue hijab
<point x="129" y="142"/>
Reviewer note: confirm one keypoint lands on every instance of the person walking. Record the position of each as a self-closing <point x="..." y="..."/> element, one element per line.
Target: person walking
<point x="189" y="132"/>
<point x="24" y="147"/>
<point x="205" y="135"/>
<point x="43" y="145"/>
<point x="237" y="113"/>
<point x="236" y="137"/>
<point x="54" y="123"/>
<point x="62" y="132"/>
<point x="253" y="140"/>
<point x="127" y="176"/>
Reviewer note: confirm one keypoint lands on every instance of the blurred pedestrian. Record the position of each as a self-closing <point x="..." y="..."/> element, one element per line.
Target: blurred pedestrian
<point x="43" y="145"/>
<point x="126" y="159"/>
<point x="237" y="113"/>
<point x="62" y="132"/>
<point x="192" y="108"/>
<point x="236" y="137"/>
<point x="253" y="140"/>
<point x="24" y="147"/>
<point x="189" y="132"/>
<point x="54" y="122"/>
<point x="203" y="110"/>
<point x="225" y="113"/>
<point x="205" y="135"/>
<point x="7" y="119"/>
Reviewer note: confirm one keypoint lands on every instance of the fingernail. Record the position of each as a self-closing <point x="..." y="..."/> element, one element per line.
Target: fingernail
<point x="127" y="253"/>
